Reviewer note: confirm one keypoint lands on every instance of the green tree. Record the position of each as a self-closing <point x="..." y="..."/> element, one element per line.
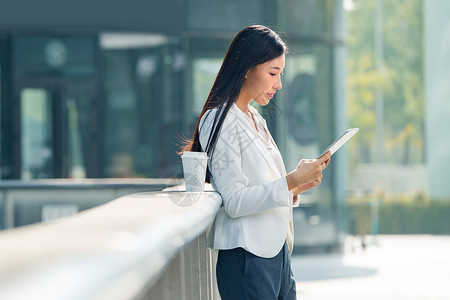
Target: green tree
<point x="399" y="78"/>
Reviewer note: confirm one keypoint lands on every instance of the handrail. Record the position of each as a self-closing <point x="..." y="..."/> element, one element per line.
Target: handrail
<point x="87" y="183"/>
<point x="113" y="251"/>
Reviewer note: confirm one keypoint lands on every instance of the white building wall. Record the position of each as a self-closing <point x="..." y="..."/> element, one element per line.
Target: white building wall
<point x="437" y="96"/>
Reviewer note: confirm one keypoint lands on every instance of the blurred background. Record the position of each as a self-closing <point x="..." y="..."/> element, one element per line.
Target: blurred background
<point x="108" y="89"/>
<point x="96" y="97"/>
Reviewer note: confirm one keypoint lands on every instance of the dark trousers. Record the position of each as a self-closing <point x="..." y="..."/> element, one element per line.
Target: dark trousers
<point x="243" y="275"/>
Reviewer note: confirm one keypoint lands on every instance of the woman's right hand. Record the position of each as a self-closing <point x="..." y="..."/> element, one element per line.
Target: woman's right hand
<point x="308" y="170"/>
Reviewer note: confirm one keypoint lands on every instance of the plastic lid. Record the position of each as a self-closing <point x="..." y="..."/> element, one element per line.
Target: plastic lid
<point x="199" y="155"/>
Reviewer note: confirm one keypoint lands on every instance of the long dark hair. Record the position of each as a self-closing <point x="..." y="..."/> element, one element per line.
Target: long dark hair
<point x="252" y="46"/>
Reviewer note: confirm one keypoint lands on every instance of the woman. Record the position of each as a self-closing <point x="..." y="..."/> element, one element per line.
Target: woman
<point x="253" y="228"/>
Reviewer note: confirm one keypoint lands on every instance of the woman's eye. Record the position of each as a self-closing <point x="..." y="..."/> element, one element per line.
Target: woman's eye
<point x="273" y="74"/>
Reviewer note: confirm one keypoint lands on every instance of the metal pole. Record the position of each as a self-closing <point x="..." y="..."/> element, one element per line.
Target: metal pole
<point x="374" y="217"/>
<point x="379" y="107"/>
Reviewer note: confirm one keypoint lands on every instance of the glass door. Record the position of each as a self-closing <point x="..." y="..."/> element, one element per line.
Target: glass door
<point x="58" y="130"/>
<point x="36" y="137"/>
<point x="79" y="132"/>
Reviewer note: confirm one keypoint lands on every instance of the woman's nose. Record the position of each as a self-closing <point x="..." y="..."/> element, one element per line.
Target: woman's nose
<point x="278" y="84"/>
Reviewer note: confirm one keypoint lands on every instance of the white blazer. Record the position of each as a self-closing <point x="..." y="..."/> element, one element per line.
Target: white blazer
<point x="257" y="204"/>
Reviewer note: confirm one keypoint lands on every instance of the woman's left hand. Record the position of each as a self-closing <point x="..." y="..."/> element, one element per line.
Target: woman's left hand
<point x="305" y="187"/>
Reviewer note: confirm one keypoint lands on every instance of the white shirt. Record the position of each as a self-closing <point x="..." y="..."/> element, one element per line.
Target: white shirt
<point x="264" y="136"/>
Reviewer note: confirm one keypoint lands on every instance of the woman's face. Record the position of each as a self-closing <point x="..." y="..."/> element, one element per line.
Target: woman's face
<point x="262" y="81"/>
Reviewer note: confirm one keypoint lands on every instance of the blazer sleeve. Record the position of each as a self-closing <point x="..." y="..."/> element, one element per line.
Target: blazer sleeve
<point x="239" y="199"/>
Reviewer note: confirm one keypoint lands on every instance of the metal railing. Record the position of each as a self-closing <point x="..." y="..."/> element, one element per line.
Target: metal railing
<point x="141" y="246"/>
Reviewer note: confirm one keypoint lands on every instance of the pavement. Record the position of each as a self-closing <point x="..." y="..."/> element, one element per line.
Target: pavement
<point x="393" y="267"/>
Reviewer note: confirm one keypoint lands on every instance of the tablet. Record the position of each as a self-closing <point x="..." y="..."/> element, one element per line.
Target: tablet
<point x="340" y="141"/>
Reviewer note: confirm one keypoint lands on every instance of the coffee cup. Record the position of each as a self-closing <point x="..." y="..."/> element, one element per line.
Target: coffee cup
<point x="194" y="168"/>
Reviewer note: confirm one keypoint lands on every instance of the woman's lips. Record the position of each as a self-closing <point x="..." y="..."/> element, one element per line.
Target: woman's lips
<point x="270" y="95"/>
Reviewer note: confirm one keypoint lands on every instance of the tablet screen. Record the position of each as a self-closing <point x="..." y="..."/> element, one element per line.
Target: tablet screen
<point x="340" y="141"/>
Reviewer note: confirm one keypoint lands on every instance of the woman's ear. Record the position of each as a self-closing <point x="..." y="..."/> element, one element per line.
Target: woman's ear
<point x="246" y="74"/>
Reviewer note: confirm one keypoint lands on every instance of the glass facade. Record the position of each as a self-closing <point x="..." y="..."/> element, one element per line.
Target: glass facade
<point x="309" y="19"/>
<point x="232" y="15"/>
<point x="143" y="107"/>
<point x="205" y="58"/>
<point x="308" y="127"/>
<point x="57" y="56"/>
